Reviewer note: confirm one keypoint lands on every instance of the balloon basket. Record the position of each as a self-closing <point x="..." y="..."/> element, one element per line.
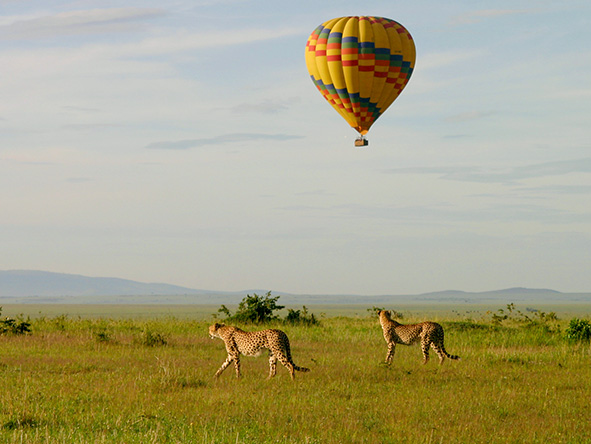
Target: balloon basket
<point x="361" y="142"/>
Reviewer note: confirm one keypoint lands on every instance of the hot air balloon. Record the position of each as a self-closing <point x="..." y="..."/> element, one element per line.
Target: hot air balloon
<point x="360" y="65"/>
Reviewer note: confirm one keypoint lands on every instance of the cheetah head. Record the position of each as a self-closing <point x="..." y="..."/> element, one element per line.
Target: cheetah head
<point x="213" y="330"/>
<point x="385" y="314"/>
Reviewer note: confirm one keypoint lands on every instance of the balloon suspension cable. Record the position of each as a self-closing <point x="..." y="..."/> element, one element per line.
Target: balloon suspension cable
<point x="361" y="142"/>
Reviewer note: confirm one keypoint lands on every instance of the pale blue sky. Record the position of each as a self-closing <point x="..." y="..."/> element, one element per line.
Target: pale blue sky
<point x="184" y="142"/>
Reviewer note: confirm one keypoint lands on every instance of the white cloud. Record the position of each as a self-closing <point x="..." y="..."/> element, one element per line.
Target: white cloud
<point x="506" y="175"/>
<point x="435" y="60"/>
<point x="224" y="139"/>
<point x="477" y="16"/>
<point x="188" y="41"/>
<point x="73" y="22"/>
<point x="469" y="115"/>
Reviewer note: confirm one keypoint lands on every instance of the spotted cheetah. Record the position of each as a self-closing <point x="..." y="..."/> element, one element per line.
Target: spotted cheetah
<point x="238" y="342"/>
<point x="429" y="333"/>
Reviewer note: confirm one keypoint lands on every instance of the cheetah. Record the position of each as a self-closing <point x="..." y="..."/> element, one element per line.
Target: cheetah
<point x="429" y="333"/>
<point x="238" y="342"/>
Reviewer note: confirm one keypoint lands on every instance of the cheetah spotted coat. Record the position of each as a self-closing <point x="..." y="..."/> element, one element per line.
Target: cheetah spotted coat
<point x="239" y="342"/>
<point x="430" y="334"/>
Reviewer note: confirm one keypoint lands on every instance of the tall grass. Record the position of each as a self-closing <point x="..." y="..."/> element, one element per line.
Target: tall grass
<point x="79" y="380"/>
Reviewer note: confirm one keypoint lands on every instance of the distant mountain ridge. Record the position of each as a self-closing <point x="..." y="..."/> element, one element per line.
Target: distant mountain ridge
<point x="491" y="293"/>
<point x="23" y="283"/>
<point x="30" y="286"/>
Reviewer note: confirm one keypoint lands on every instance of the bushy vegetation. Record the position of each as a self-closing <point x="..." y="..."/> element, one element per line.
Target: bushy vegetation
<point x="533" y="318"/>
<point x="257" y="309"/>
<point x="578" y="330"/>
<point x="300" y="317"/>
<point x="14" y="326"/>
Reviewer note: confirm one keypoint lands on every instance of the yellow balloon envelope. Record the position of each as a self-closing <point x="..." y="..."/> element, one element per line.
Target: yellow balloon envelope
<point x="360" y="65"/>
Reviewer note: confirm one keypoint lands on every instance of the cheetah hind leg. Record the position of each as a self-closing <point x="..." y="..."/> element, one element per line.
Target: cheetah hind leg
<point x="288" y="365"/>
<point x="440" y="352"/>
<point x="272" y="365"/>
<point x="425" y="347"/>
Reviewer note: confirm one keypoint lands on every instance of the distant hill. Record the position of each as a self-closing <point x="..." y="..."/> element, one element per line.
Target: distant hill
<point x="23" y="283"/>
<point x="28" y="286"/>
<point x="511" y="294"/>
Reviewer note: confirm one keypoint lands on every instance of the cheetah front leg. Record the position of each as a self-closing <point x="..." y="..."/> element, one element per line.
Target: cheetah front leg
<point x="227" y="362"/>
<point x="391" y="350"/>
<point x="225" y="365"/>
<point x="237" y="365"/>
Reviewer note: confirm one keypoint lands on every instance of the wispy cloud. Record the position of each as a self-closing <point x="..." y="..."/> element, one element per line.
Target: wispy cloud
<point x="188" y="41"/>
<point x="91" y="126"/>
<point x="447" y="58"/>
<point x="219" y="140"/>
<point x="264" y="107"/>
<point x="478" y="16"/>
<point x="74" y="22"/>
<point x="502" y="175"/>
<point x="469" y="115"/>
<point x="79" y="179"/>
<point x="447" y="214"/>
<point x="556" y="189"/>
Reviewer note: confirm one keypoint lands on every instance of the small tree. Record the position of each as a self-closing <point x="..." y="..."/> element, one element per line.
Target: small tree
<point x="301" y="317"/>
<point x="14" y="326"/>
<point x="578" y="330"/>
<point x="254" y="309"/>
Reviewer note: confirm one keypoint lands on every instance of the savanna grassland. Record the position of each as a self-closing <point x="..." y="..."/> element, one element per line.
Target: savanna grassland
<point x="144" y="379"/>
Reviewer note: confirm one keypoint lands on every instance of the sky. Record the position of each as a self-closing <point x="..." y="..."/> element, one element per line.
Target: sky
<point x="184" y="142"/>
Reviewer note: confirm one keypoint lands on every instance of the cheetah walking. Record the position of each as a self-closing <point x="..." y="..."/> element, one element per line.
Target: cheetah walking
<point x="429" y="333"/>
<point x="238" y="342"/>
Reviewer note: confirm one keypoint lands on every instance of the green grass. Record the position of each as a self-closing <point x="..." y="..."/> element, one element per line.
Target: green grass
<point x="84" y="379"/>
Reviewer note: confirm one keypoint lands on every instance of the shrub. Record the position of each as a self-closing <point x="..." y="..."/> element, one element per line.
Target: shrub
<point x="152" y="339"/>
<point x="102" y="335"/>
<point x="536" y="319"/>
<point x="300" y="317"/>
<point x="257" y="309"/>
<point x="578" y="330"/>
<point x="14" y="326"/>
<point x="254" y="309"/>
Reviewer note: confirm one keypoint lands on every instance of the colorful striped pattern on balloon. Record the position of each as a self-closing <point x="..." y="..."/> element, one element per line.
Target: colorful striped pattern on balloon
<point x="360" y="65"/>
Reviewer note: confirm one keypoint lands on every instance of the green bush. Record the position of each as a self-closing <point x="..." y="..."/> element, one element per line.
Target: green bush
<point x="535" y="319"/>
<point x="578" y="330"/>
<point x="254" y="309"/>
<point x="257" y="309"/>
<point x="152" y="339"/>
<point x="14" y="326"/>
<point x="300" y="317"/>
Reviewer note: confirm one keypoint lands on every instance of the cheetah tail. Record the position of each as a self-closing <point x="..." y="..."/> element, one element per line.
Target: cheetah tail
<point x="447" y="355"/>
<point x="301" y="369"/>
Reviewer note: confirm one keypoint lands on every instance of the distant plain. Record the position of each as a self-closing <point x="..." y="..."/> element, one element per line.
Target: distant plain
<point x="209" y="311"/>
